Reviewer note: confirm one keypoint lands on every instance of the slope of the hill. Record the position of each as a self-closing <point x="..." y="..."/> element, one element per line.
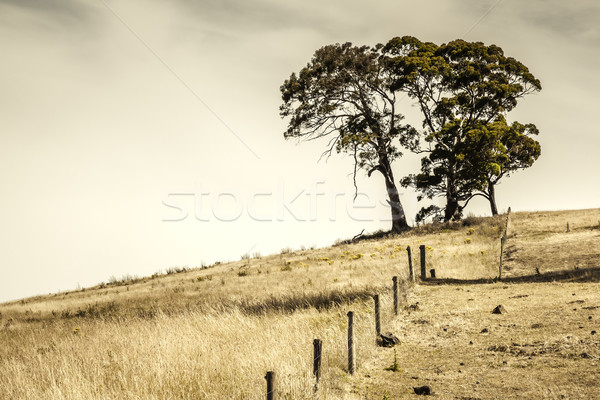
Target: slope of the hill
<point x="213" y="332"/>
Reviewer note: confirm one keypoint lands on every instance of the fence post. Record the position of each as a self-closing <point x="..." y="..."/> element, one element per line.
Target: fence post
<point x="351" y="361"/>
<point x="270" y="377"/>
<point x="395" y="289"/>
<point x="410" y="267"/>
<point x="502" y="240"/>
<point x="318" y="347"/>
<point x="568" y="228"/>
<point x="423" y="271"/>
<point x="377" y="320"/>
<point x="432" y="272"/>
<point x="506" y="226"/>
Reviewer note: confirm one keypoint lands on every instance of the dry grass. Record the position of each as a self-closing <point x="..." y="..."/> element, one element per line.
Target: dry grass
<point x="539" y="243"/>
<point x="213" y="333"/>
<point x="542" y="347"/>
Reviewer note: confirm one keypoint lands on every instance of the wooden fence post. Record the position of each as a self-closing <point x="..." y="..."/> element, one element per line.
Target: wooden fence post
<point x="502" y="240"/>
<point x="410" y="267"/>
<point x="377" y="320"/>
<point x="351" y="360"/>
<point x="270" y="377"/>
<point x="318" y="347"/>
<point x="423" y="271"/>
<point x="506" y="226"/>
<point x="395" y="289"/>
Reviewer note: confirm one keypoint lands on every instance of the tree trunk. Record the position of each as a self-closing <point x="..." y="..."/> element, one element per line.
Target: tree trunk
<point x="398" y="218"/>
<point x="492" y="198"/>
<point x="453" y="209"/>
<point x="399" y="223"/>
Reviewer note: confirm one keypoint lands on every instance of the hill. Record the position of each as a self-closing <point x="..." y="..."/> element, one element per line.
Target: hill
<point x="213" y="332"/>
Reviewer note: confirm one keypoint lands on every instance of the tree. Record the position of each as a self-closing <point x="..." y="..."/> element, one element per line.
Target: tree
<point x="500" y="151"/>
<point x="343" y="94"/>
<point x="462" y="88"/>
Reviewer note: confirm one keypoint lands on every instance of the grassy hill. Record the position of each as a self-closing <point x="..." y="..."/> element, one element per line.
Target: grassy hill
<point x="213" y="332"/>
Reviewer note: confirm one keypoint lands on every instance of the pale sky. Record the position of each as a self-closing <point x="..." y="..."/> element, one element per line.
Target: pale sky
<point x="113" y="113"/>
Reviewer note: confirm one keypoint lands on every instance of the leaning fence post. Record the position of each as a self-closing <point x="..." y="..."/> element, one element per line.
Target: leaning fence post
<point x="270" y="377"/>
<point x="377" y="320"/>
<point x="502" y="240"/>
<point x="351" y="361"/>
<point x="318" y="346"/>
<point x="410" y="267"/>
<point x="395" y="289"/>
<point x="423" y="271"/>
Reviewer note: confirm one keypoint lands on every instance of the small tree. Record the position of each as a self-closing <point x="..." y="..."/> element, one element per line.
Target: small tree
<point x="461" y="88"/>
<point x="500" y="151"/>
<point x="343" y="94"/>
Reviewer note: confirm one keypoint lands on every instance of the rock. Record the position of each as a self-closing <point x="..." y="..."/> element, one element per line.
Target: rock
<point x="593" y="332"/>
<point x="387" y="340"/>
<point x="422" y="390"/>
<point x="484" y="330"/>
<point x="499" y="309"/>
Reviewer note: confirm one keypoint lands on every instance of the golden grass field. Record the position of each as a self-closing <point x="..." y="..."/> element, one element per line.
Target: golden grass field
<point x="212" y="333"/>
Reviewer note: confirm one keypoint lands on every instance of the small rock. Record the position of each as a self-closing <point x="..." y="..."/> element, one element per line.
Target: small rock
<point x="422" y="390"/>
<point x="387" y="340"/>
<point x="462" y="363"/>
<point x="499" y="309"/>
<point x="484" y="330"/>
<point x="593" y="332"/>
<point x="590" y="317"/>
<point x="470" y="342"/>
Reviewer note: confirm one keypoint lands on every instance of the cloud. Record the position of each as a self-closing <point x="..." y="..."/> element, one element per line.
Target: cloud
<point x="62" y="11"/>
<point x="570" y="20"/>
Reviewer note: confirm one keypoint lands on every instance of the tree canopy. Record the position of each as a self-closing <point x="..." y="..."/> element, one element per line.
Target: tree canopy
<point x="344" y="94"/>
<point x="463" y="90"/>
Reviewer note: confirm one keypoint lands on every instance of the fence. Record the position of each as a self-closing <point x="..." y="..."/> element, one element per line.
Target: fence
<point x="502" y="243"/>
<point x="352" y="357"/>
<point x="318" y="343"/>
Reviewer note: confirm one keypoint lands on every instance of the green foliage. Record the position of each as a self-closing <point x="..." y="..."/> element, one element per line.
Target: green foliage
<point x="394" y="367"/>
<point x="344" y="94"/>
<point x="464" y="89"/>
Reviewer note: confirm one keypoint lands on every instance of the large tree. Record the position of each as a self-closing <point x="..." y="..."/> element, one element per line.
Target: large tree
<point x="343" y="94"/>
<point x="462" y="89"/>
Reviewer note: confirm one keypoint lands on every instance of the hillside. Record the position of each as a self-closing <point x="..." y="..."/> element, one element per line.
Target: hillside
<point x="214" y="332"/>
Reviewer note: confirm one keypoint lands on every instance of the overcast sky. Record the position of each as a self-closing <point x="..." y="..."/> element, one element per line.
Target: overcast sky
<point x="140" y="135"/>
